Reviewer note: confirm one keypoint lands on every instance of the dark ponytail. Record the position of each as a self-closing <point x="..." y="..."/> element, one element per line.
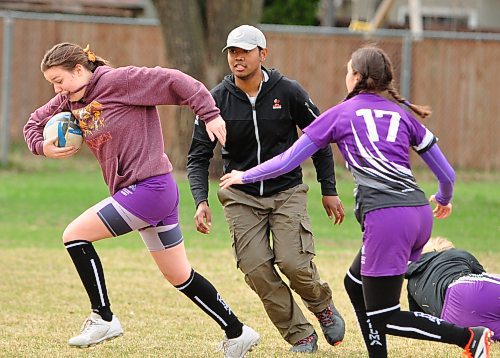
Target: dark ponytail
<point x="377" y="74"/>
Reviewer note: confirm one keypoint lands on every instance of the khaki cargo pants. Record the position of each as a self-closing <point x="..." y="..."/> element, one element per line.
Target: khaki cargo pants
<point x="252" y="222"/>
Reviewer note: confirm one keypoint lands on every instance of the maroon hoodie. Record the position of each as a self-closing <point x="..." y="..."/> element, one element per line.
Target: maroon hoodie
<point x="120" y="122"/>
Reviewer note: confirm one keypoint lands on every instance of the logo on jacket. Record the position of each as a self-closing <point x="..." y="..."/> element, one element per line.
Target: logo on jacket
<point x="276" y="104"/>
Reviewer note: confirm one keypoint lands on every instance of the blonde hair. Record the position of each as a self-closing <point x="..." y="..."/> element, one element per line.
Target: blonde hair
<point x="437" y="244"/>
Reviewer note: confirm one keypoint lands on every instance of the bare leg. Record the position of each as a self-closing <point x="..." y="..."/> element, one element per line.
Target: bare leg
<point x="173" y="264"/>
<point x="88" y="226"/>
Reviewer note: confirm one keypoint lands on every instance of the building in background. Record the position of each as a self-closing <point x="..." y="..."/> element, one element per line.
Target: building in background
<point x="447" y="15"/>
<point x="119" y="8"/>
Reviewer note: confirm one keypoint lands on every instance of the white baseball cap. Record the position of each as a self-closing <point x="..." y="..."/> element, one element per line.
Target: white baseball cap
<point x="246" y="37"/>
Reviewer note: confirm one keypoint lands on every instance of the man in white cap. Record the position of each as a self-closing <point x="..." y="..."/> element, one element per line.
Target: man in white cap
<point x="268" y="221"/>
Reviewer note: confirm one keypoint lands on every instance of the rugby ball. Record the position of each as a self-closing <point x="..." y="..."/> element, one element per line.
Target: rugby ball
<point x="65" y="127"/>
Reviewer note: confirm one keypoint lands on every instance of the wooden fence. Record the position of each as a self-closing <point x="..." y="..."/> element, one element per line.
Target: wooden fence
<point x="457" y="77"/>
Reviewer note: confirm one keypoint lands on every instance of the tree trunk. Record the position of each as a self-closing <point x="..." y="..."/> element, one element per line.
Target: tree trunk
<point x="195" y="32"/>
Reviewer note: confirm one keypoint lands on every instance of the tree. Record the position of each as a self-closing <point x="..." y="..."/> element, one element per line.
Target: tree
<point x="194" y="32"/>
<point x="290" y="12"/>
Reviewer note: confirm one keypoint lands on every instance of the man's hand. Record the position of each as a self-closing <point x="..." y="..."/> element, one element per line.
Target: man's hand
<point x="203" y="218"/>
<point x="333" y="206"/>
<point x="217" y="128"/>
<point x="50" y="150"/>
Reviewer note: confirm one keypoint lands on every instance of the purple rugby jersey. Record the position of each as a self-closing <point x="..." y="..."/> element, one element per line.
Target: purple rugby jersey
<point x="374" y="135"/>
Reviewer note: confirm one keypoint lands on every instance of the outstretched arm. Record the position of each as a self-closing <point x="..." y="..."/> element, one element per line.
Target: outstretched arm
<point x="302" y="149"/>
<point x="445" y="175"/>
<point x="166" y="86"/>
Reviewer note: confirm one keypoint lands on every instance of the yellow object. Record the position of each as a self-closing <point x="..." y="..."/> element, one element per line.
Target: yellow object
<point x="361" y="26"/>
<point x="89" y="53"/>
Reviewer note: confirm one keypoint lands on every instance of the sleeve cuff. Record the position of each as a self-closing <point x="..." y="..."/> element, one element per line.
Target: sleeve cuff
<point x="328" y="190"/>
<point x="39" y="148"/>
<point x="201" y="200"/>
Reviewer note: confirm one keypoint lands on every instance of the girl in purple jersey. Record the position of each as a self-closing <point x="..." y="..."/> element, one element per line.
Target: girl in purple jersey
<point x="116" y="110"/>
<point x="451" y="284"/>
<point x="374" y="134"/>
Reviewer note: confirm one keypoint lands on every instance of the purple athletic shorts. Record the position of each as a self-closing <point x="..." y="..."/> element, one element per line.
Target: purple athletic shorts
<point x="150" y="207"/>
<point x="392" y="237"/>
<point x="154" y="200"/>
<point x="474" y="300"/>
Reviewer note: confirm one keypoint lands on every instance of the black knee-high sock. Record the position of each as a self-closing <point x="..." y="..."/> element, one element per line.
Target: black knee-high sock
<point x="204" y="295"/>
<point x="418" y="325"/>
<point x="89" y="268"/>
<point x="383" y="310"/>
<point x="415" y="325"/>
<point x="354" y="289"/>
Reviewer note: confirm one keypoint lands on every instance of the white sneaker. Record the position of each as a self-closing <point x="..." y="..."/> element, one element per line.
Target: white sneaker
<point x="239" y="346"/>
<point x="96" y="330"/>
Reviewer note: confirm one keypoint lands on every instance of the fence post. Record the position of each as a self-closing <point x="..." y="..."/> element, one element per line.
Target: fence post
<point x="7" y="59"/>
<point x="406" y="63"/>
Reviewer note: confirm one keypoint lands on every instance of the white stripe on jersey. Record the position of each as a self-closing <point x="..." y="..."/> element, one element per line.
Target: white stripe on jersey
<point x="381" y="166"/>
<point x="398" y="167"/>
<point x="473" y="279"/>
<point x="428" y="138"/>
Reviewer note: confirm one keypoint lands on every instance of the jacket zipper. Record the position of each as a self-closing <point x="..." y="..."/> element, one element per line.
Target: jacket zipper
<point x="257" y="137"/>
<point x="254" y="116"/>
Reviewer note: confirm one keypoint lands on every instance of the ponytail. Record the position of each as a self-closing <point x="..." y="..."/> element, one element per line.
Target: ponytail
<point x="421" y="111"/>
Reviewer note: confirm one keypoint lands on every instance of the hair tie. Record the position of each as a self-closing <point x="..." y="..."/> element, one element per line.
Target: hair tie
<point x="406" y="103"/>
<point x="90" y="54"/>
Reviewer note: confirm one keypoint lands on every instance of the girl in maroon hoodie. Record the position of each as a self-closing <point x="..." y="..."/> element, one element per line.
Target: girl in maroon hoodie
<point x="116" y="110"/>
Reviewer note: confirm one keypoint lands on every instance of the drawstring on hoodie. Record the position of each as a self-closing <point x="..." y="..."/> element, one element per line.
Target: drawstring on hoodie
<point x="65" y="101"/>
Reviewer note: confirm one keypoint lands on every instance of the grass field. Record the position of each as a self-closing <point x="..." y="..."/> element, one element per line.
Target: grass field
<point x="43" y="303"/>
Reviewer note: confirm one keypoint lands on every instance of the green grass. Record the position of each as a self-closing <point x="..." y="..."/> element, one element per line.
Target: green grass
<point x="37" y="201"/>
<point x="43" y="302"/>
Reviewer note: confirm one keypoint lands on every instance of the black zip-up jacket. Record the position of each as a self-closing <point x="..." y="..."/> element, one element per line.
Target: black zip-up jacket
<point x="429" y="278"/>
<point x="281" y="105"/>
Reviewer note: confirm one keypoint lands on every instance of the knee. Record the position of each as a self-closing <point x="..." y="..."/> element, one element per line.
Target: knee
<point x="256" y="276"/>
<point x="263" y="278"/>
<point x="179" y="277"/>
<point x="293" y="269"/>
<point x="288" y="268"/>
<point x="352" y="284"/>
<point x="380" y="320"/>
<point x="354" y="289"/>
<point x="69" y="234"/>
